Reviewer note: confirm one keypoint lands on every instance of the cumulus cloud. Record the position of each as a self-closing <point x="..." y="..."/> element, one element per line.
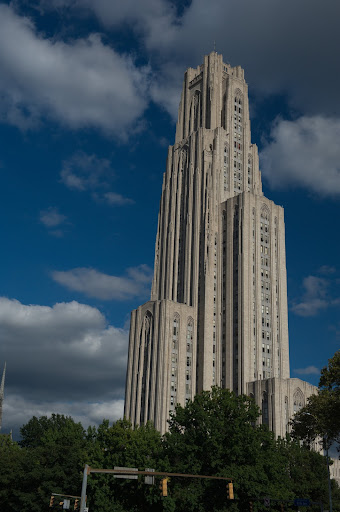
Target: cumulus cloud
<point x="17" y="410"/>
<point x="327" y="269"/>
<point x="63" y="359"/>
<point x="84" y="82"/>
<point x="81" y="83"/>
<point x="314" y="298"/>
<point x="51" y="218"/>
<point x="304" y="153"/>
<point x="84" y="172"/>
<point x="274" y="63"/>
<point x="116" y="199"/>
<point x="309" y="370"/>
<point x="93" y="283"/>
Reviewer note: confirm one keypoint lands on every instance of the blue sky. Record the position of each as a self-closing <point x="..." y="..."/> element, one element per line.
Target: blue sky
<point x="89" y="91"/>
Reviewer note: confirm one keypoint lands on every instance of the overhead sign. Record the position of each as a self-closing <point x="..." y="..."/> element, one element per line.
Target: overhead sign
<point x="266" y="501"/>
<point x="66" y="504"/>
<point x="301" y="502"/>
<point x="131" y="477"/>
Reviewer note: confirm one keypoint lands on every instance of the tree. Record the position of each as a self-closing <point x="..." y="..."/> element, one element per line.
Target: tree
<point x="54" y="451"/>
<point x="320" y="417"/>
<point x="11" y="459"/>
<point x="216" y="435"/>
<point x="123" y="446"/>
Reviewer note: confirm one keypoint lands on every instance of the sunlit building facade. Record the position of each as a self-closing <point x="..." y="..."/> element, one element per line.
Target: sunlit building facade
<point x="218" y="309"/>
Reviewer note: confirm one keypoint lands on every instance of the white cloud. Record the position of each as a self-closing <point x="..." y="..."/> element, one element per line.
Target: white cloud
<point x="84" y="172"/>
<point x="309" y="370"/>
<point x="52" y="217"/>
<point x="314" y="298"/>
<point x="80" y="83"/>
<point x="327" y="269"/>
<point x="17" y="410"/>
<point x="84" y="82"/>
<point x="274" y="64"/>
<point x="116" y="199"/>
<point x="103" y="286"/>
<point x="304" y="153"/>
<point x="63" y="359"/>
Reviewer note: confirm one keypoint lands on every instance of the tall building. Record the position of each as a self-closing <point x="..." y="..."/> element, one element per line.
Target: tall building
<point x="218" y="309"/>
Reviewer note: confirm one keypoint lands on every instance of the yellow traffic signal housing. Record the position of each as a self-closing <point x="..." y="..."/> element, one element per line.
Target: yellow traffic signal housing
<point x="230" y="489"/>
<point x="51" y="501"/>
<point x="164" y="486"/>
<point x="250" y="506"/>
<point x="76" y="504"/>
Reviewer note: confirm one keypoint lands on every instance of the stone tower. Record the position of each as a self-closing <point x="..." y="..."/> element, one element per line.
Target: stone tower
<point x="218" y="308"/>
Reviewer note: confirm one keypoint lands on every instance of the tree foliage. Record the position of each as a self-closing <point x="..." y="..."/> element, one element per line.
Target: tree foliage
<point x="215" y="435"/>
<point x="321" y="416"/>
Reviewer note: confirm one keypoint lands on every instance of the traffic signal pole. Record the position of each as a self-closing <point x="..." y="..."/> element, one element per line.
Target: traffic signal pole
<point x="88" y="470"/>
<point x="83" y="488"/>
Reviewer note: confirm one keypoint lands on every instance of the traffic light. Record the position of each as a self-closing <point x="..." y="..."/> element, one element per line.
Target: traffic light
<point x="164" y="486"/>
<point x="230" y="490"/>
<point x="76" y="504"/>
<point x="282" y="507"/>
<point x="61" y="503"/>
<point x="51" y="501"/>
<point x="250" y="506"/>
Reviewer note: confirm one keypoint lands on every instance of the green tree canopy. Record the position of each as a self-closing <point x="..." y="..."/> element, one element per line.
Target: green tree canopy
<point x="321" y="416"/>
<point x="217" y="434"/>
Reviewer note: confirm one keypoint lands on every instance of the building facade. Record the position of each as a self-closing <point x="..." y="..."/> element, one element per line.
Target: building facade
<point x="218" y="309"/>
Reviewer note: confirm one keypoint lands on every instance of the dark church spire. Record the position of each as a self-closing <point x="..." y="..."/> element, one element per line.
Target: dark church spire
<point x="2" y="393"/>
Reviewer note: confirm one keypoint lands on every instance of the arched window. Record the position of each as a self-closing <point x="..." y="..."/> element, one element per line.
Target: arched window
<point x="250" y="172"/>
<point x="265" y="418"/>
<point x="238" y="143"/>
<point x="188" y="369"/>
<point x="145" y="348"/>
<point x="174" y="363"/>
<point x="286" y="413"/>
<point x="195" y="112"/>
<point x="298" y="400"/>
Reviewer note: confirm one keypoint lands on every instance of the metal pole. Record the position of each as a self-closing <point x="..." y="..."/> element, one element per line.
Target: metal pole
<point x="83" y="489"/>
<point x="329" y="475"/>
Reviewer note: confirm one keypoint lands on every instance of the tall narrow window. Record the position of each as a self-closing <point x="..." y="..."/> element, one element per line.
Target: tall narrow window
<point x="174" y="363"/>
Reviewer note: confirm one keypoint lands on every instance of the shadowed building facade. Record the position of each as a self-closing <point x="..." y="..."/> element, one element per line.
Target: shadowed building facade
<point x="218" y="309"/>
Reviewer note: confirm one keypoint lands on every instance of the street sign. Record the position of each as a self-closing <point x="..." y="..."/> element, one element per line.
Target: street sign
<point x="66" y="504"/>
<point x="132" y="477"/>
<point x="150" y="480"/>
<point x="266" y="501"/>
<point x="301" y="502"/>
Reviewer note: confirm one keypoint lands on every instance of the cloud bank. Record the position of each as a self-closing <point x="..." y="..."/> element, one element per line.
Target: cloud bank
<point x="62" y="359"/>
<point x="304" y="153"/>
<point x="93" y="283"/>
<point x="80" y="83"/>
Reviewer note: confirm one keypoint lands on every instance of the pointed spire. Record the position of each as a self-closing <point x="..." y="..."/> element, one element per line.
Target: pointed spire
<point x="2" y="393"/>
<point x="2" y="387"/>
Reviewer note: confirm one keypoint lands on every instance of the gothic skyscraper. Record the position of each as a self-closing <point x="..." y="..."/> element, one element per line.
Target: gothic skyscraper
<point x="218" y="308"/>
